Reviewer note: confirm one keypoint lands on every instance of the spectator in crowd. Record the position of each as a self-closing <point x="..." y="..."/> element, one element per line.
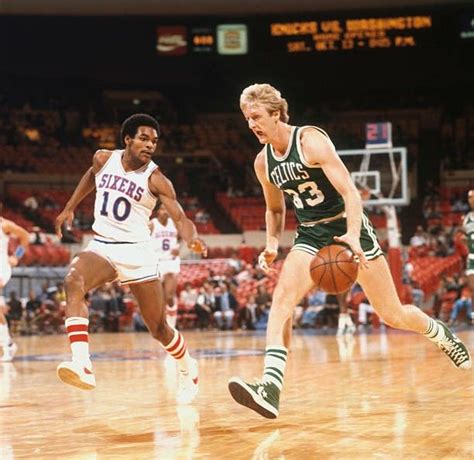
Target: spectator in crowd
<point x="248" y="314"/>
<point x="316" y="304"/>
<point x="419" y="238"/>
<point x="32" y="309"/>
<point x="226" y="305"/>
<point x="205" y="305"/>
<point x="15" y="312"/>
<point x="37" y="236"/>
<point x="464" y="302"/>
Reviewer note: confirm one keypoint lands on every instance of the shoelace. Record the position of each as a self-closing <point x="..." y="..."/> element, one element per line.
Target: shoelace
<point x="453" y="350"/>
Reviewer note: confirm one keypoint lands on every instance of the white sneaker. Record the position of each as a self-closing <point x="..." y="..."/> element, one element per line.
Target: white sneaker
<point x="9" y="353"/>
<point x="188" y="384"/>
<point x="351" y="329"/>
<point x="76" y="374"/>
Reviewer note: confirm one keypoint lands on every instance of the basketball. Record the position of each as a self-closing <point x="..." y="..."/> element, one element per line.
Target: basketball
<point x="333" y="269"/>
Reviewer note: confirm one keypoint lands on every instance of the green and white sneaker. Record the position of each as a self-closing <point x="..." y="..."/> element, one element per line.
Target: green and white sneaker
<point x="456" y="351"/>
<point x="262" y="397"/>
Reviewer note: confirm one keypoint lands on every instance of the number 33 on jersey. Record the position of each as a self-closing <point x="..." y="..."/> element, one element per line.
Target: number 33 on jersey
<point x="312" y="193"/>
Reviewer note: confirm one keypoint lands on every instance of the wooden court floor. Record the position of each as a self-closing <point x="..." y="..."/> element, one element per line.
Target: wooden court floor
<point x="380" y="396"/>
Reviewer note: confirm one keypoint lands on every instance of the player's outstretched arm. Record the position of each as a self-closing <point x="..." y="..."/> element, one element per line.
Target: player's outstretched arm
<point x="274" y="214"/>
<point x="318" y="149"/>
<point x="85" y="186"/>
<point x="162" y="187"/>
<point x="10" y="228"/>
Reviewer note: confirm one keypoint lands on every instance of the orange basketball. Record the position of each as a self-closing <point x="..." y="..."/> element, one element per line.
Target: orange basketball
<point x="333" y="269"/>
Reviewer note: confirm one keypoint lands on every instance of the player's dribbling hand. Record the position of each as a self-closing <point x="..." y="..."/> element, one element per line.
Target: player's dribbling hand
<point x="265" y="259"/>
<point x="64" y="216"/>
<point x="198" y="246"/>
<point x="354" y="244"/>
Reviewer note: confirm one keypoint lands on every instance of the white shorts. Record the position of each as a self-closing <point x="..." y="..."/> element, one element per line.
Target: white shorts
<point x="5" y="273"/>
<point x="169" y="266"/>
<point x="134" y="262"/>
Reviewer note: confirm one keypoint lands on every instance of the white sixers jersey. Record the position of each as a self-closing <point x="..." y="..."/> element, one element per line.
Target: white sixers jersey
<point x="3" y="245"/>
<point x="166" y="237"/>
<point x="123" y="202"/>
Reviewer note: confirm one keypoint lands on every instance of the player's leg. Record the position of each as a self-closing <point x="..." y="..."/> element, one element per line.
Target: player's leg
<point x="150" y="299"/>
<point x="170" y="283"/>
<point x="470" y="282"/>
<point x="344" y="324"/>
<point x="294" y="282"/>
<point x="8" y="346"/>
<point x="378" y="285"/>
<point x="88" y="270"/>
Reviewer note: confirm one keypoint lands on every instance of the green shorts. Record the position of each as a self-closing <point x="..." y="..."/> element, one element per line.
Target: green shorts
<point x="312" y="239"/>
<point x="470" y="265"/>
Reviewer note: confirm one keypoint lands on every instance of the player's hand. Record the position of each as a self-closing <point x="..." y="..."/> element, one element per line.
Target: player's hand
<point x="265" y="259"/>
<point x="64" y="216"/>
<point x="354" y="243"/>
<point x="13" y="261"/>
<point x="198" y="246"/>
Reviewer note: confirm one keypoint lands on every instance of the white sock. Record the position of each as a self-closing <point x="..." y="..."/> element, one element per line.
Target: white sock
<point x="5" y="338"/>
<point x="435" y="331"/>
<point x="178" y="349"/>
<point x="77" y="331"/>
<point x="275" y="364"/>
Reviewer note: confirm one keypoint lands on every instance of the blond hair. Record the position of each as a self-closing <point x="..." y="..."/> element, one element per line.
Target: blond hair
<point x="268" y="96"/>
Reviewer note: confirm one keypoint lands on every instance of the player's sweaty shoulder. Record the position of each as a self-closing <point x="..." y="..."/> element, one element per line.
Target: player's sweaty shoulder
<point x="100" y="157"/>
<point x="260" y="161"/>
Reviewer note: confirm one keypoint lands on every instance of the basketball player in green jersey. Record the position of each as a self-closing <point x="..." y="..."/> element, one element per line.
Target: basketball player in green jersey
<point x="468" y="227"/>
<point x="302" y="162"/>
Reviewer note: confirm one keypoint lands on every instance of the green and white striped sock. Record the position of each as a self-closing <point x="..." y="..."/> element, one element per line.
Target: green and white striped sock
<point x="435" y="331"/>
<point x="275" y="363"/>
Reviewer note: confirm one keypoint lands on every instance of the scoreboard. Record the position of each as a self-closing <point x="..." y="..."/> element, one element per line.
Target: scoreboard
<point x="318" y="33"/>
<point x="352" y="33"/>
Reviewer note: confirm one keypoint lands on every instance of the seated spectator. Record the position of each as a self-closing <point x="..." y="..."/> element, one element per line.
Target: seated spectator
<point x="137" y="321"/>
<point x="31" y="203"/>
<point x="463" y="303"/>
<point x="188" y="297"/>
<point x="37" y="236"/>
<point x="316" y="304"/>
<point x="32" y="308"/>
<point x="419" y="238"/>
<point x="226" y="305"/>
<point x="248" y="314"/>
<point x="205" y="305"/>
<point x="14" y="312"/>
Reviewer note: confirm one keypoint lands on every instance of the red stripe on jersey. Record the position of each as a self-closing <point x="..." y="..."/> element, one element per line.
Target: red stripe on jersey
<point x="79" y="338"/>
<point x="77" y="328"/>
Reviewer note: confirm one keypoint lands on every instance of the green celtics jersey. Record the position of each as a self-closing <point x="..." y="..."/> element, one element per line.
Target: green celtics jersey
<point x="468" y="225"/>
<point x="314" y="197"/>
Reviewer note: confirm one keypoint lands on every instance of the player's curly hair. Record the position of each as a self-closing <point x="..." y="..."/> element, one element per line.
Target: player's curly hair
<point x="131" y="124"/>
<point x="266" y="95"/>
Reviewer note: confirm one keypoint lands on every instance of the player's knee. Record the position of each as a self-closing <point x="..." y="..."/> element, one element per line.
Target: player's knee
<point x="393" y="320"/>
<point x="284" y="298"/>
<point x="74" y="281"/>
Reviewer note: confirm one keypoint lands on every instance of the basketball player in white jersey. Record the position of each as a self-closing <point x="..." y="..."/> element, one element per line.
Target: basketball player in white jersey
<point x="165" y="234"/>
<point x="127" y="185"/>
<point x="7" y="229"/>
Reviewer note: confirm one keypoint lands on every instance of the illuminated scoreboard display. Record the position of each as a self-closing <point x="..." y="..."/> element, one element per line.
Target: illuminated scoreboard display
<point x="327" y="35"/>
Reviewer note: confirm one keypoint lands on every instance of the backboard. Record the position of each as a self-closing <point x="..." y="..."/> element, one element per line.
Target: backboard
<point x="380" y="174"/>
